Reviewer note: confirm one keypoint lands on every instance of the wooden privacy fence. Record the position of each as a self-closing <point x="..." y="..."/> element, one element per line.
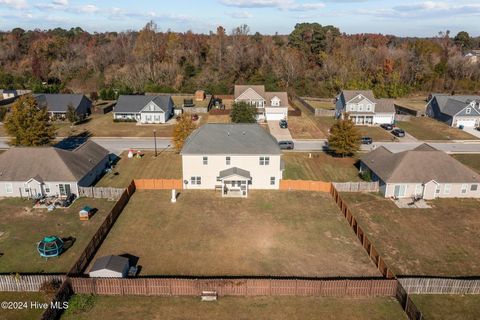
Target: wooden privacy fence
<point x="158" y="184"/>
<point x="356" y="186"/>
<point x="440" y="285"/>
<point x="234" y="287"/>
<point x="100" y="193"/>
<point x="62" y="295"/>
<point x="102" y="232"/>
<point x="305" y="185"/>
<point x="26" y="282"/>
<point x="407" y="304"/>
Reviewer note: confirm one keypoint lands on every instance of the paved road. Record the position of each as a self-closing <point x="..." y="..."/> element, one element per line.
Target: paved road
<point x="117" y="145"/>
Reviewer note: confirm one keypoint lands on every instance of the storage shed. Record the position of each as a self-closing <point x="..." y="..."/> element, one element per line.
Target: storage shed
<point x="110" y="267"/>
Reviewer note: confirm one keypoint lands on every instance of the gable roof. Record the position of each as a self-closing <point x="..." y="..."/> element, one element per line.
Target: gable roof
<point x="451" y="105"/>
<point x="113" y="263"/>
<point x="266" y="95"/>
<point x="234" y="139"/>
<point x="283" y="96"/>
<point x="351" y="94"/>
<point x="234" y="171"/>
<point x="419" y="165"/>
<point x="60" y="102"/>
<point x="135" y="103"/>
<point x="384" y="105"/>
<point x="240" y="88"/>
<point x="50" y="163"/>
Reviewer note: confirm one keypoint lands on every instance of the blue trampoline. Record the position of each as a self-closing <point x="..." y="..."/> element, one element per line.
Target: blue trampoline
<point x="49" y="247"/>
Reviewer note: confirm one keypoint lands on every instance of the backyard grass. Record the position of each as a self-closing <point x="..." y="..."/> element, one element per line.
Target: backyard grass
<point x="179" y="100"/>
<point x="322" y="167"/>
<point x="326" y="104"/>
<point x="376" y="133"/>
<point x="448" y="307"/>
<point x="471" y="160"/>
<point x="27" y="313"/>
<point x="22" y="227"/>
<point x="441" y="241"/>
<point x="268" y="233"/>
<point x="167" y="165"/>
<point x="102" y="125"/>
<point x="424" y="128"/>
<point x="414" y="102"/>
<point x="233" y="308"/>
<point x="210" y="118"/>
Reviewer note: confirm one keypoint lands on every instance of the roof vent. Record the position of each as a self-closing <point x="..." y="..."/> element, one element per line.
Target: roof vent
<point x="243" y="133"/>
<point x="228" y="133"/>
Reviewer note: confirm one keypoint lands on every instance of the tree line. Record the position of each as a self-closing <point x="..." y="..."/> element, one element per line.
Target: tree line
<point x="312" y="60"/>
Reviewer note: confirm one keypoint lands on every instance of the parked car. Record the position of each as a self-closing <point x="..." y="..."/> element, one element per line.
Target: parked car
<point x="283" y="124"/>
<point x="286" y="145"/>
<point x="398" y="133"/>
<point x="387" y="126"/>
<point x="367" y="140"/>
<point x="477" y="128"/>
<point x="195" y="117"/>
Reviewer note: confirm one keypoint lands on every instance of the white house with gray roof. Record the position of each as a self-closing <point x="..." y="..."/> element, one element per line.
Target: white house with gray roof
<point x="50" y="171"/>
<point x="57" y="104"/>
<point x="144" y="109"/>
<point x="456" y="111"/>
<point x="232" y="158"/>
<point x="364" y="109"/>
<point x="271" y="106"/>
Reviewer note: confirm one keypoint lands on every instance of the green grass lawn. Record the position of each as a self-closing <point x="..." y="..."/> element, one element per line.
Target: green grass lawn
<point x="27" y="313"/>
<point x="376" y="133"/>
<point x="322" y="167"/>
<point x="448" y="307"/>
<point x="414" y="102"/>
<point x="268" y="233"/>
<point x="240" y="308"/>
<point x="327" y="104"/>
<point x="167" y="165"/>
<point x="441" y="241"/>
<point x="424" y="128"/>
<point x="471" y="160"/>
<point x="21" y="227"/>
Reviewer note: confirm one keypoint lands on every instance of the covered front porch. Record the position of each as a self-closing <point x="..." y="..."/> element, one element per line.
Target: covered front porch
<point x="366" y="120"/>
<point x="234" y="182"/>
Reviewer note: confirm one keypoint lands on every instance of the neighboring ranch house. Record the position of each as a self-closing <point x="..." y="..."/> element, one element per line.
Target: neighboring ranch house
<point x="455" y="111"/>
<point x="110" y="267"/>
<point x="422" y="172"/>
<point x="232" y="158"/>
<point x="9" y="94"/>
<point x="363" y="108"/>
<point x="144" y="109"/>
<point x="57" y="104"/>
<point x="271" y="106"/>
<point x="49" y="171"/>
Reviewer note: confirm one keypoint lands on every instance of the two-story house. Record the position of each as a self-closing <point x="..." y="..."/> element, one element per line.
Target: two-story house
<point x="232" y="158"/>
<point x="455" y="111"/>
<point x="271" y="106"/>
<point x="363" y="108"/>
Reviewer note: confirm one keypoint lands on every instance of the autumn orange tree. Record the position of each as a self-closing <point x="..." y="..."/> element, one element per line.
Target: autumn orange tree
<point x="182" y="130"/>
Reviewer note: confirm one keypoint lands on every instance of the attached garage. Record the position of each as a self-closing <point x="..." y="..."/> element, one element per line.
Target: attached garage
<point x="383" y="118"/>
<point x="466" y="123"/>
<point x="276" y="114"/>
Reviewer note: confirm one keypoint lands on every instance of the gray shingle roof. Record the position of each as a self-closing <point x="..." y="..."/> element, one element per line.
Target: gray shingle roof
<point x="60" y="102"/>
<point x="234" y="171"/>
<point x="113" y="263"/>
<point x="350" y="94"/>
<point x="234" y="139"/>
<point x="50" y="163"/>
<point x="419" y="165"/>
<point x="260" y="89"/>
<point x="451" y="105"/>
<point x="132" y="103"/>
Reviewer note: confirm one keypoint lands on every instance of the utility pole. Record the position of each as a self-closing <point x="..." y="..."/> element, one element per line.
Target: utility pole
<point x="155" y="140"/>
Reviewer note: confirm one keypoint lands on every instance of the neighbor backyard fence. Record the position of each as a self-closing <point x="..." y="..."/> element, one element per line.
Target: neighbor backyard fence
<point x="158" y="184"/>
<point x="100" y="193"/>
<point x="318" y="112"/>
<point x="356" y="186"/>
<point x="234" y="287"/>
<point x="21" y="283"/>
<point x="440" y="285"/>
<point x="305" y="185"/>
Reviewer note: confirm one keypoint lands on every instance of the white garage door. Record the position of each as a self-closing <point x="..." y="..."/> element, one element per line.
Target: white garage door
<point x="467" y="123"/>
<point x="383" y="119"/>
<point x="275" y="116"/>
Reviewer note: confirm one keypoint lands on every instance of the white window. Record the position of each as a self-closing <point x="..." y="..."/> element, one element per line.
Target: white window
<point x="369" y="107"/>
<point x="360" y="107"/>
<point x="227" y="161"/>
<point x="474" y="187"/>
<point x="351" y="107"/>
<point x="196" y="181"/>
<point x="47" y="188"/>
<point x="437" y="190"/>
<point x="205" y="161"/>
<point x="264" y="161"/>
<point x="272" y="181"/>
<point x="464" y="188"/>
<point x="447" y="189"/>
<point x="468" y="110"/>
<point x="8" y="188"/>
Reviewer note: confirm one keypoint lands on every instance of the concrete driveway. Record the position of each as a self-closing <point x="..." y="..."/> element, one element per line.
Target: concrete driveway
<point x="279" y="133"/>
<point x="473" y="132"/>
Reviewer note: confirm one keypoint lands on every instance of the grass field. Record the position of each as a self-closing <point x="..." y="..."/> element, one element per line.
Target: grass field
<point x="27" y="313"/>
<point x="413" y="102"/>
<point x="264" y="234"/>
<point x="471" y="160"/>
<point x="328" y="104"/>
<point x="425" y="128"/>
<point x="179" y="100"/>
<point x="376" y="133"/>
<point x="22" y="227"/>
<point x="167" y="165"/>
<point x="448" y="307"/>
<point x="322" y="167"/>
<point x="441" y="241"/>
<point x="240" y="308"/>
